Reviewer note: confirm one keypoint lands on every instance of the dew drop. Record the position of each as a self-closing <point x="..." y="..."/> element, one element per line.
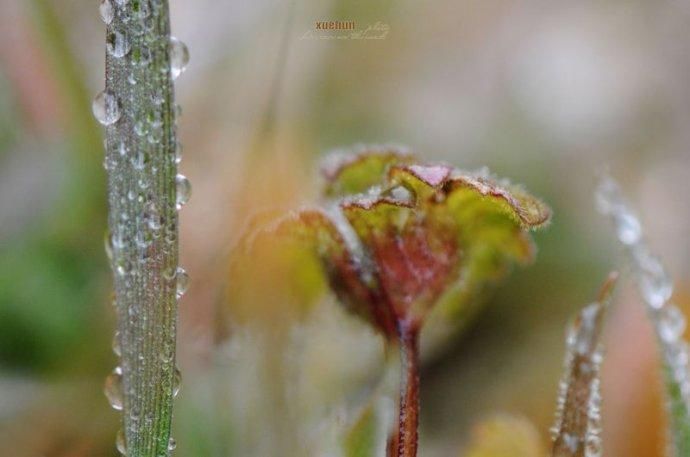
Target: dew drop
<point x="142" y="9"/>
<point x="154" y="220"/>
<point x="106" y="108"/>
<point x="108" y="245"/>
<point x="671" y="323"/>
<point x="113" y="388"/>
<point x="170" y="273"/>
<point x="170" y="235"/>
<point x="155" y="135"/>
<point x="654" y="282"/>
<point x="117" y="44"/>
<point x="143" y="239"/>
<point x="177" y="382"/>
<point x="182" y="282"/>
<point x="582" y="334"/>
<point x="177" y="157"/>
<point x="117" y="349"/>
<point x="572" y="442"/>
<point x="179" y="57"/>
<point x="607" y="196"/>
<point x="120" y="443"/>
<point x="172" y="444"/>
<point x="117" y="241"/>
<point x="184" y="191"/>
<point x="107" y="11"/>
<point x="158" y="96"/>
<point x="124" y="267"/>
<point x="146" y="56"/>
<point x="628" y="227"/>
<point x="141" y="128"/>
<point x="139" y="160"/>
<point x="122" y="149"/>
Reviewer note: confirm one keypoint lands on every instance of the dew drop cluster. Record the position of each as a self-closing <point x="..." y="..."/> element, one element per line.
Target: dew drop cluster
<point x="145" y="193"/>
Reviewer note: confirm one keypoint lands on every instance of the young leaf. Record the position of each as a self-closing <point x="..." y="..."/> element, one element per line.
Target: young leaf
<point x="656" y="289"/>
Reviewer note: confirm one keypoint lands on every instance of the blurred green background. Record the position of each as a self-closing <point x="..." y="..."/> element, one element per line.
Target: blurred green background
<point x="546" y="93"/>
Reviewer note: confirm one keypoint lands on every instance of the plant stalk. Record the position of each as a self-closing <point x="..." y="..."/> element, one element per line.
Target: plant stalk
<point x="403" y="443"/>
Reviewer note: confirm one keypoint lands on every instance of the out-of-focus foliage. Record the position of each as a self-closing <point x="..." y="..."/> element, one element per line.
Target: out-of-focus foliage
<point x="52" y="273"/>
<point x="360" y="440"/>
<point x="505" y="436"/>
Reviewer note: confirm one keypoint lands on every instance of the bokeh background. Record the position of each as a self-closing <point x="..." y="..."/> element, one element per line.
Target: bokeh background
<point x="546" y="93"/>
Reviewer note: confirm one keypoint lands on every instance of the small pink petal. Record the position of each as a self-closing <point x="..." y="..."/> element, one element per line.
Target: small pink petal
<point x="433" y="175"/>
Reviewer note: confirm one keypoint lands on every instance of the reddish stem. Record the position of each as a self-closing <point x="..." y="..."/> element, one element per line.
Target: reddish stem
<point x="403" y="443"/>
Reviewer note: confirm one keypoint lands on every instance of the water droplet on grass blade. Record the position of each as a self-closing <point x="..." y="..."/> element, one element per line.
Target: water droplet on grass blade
<point x="628" y="227"/>
<point x="108" y="241"/>
<point x="106" y="108"/>
<point x="179" y="57"/>
<point x="107" y="12"/>
<point x="141" y="9"/>
<point x="607" y="196"/>
<point x="117" y="44"/>
<point x="113" y="389"/>
<point x="177" y="382"/>
<point x="655" y="284"/>
<point x="172" y="444"/>
<point x="120" y="442"/>
<point x="184" y="191"/>
<point x="182" y="282"/>
<point x="117" y="349"/>
<point x="170" y="273"/>
<point x="671" y="323"/>
<point x="177" y="157"/>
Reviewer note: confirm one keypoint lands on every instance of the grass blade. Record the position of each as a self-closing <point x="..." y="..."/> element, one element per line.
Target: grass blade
<point x="668" y="321"/>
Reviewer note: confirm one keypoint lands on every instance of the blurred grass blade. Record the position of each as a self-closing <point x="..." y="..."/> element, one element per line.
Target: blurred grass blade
<point x="78" y="122"/>
<point x="576" y="432"/>
<point x="668" y="321"/>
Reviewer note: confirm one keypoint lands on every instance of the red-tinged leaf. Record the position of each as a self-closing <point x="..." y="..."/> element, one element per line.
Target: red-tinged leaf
<point x="414" y="258"/>
<point x="408" y="236"/>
